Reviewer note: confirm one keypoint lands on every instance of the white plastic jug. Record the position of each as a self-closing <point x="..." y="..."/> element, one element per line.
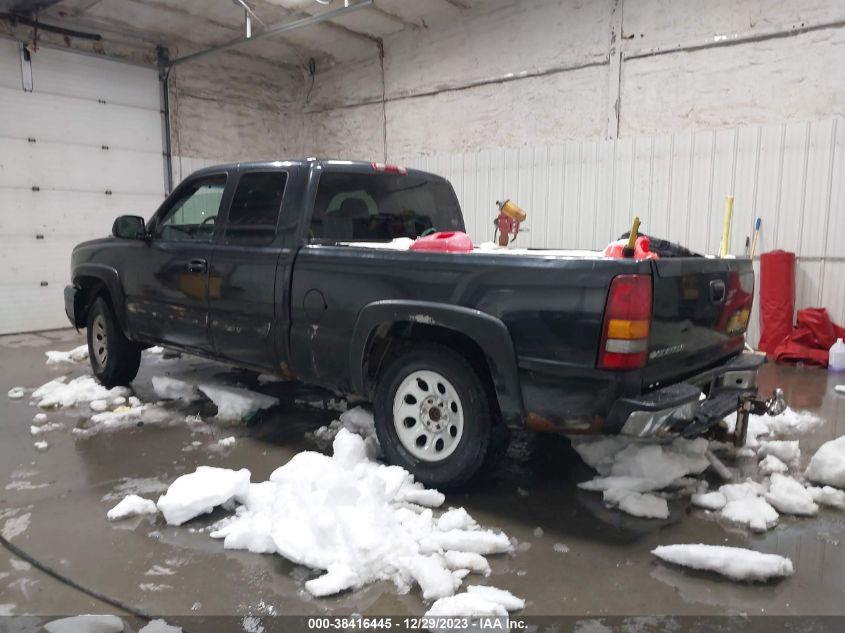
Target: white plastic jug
<point x="836" y="362"/>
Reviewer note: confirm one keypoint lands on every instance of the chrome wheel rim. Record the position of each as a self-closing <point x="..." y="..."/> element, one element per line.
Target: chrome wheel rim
<point x="428" y="416"/>
<point x="99" y="341"/>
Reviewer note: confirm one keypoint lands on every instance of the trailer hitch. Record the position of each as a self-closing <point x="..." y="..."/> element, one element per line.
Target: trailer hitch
<point x="748" y="405"/>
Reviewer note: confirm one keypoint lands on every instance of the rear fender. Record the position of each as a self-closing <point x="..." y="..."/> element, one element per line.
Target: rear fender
<point x="486" y="331"/>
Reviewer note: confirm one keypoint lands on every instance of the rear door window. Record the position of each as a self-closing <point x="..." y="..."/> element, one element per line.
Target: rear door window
<point x="382" y="207"/>
<point x="255" y="208"/>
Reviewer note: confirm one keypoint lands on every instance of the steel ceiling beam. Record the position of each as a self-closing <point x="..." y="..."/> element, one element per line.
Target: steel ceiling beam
<point x="276" y="29"/>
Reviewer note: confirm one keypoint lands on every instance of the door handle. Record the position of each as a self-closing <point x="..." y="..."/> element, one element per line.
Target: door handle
<point x="197" y="265"/>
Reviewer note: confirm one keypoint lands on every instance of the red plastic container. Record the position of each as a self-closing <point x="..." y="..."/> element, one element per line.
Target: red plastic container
<point x="777" y="298"/>
<point x="641" y="249"/>
<point x="444" y="242"/>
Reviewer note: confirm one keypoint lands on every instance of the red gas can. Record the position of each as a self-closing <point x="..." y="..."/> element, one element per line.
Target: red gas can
<point x="444" y="242"/>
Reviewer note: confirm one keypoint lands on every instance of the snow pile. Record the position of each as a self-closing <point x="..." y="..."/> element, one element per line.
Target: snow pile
<point x="74" y="355"/>
<point x="234" y="403"/>
<point x="199" y="492"/>
<point x="356" y="420"/>
<point x="49" y="427"/>
<point x="786" y="451"/>
<point x="132" y="505"/>
<point x="86" y="624"/>
<point x="41" y="445"/>
<point x="827" y="466"/>
<point x="792" y="423"/>
<point x="227" y="442"/>
<point x="356" y="519"/>
<point x="746" y="506"/>
<point x="709" y="500"/>
<point x="790" y="497"/>
<point x="160" y="626"/>
<point x="124" y="416"/>
<point x="477" y="601"/>
<point x="828" y="496"/>
<point x="734" y="562"/>
<point x="643" y="465"/>
<point x="630" y="469"/>
<point x="58" y="393"/>
<point x="771" y="464"/>
<point x="16" y="393"/>
<point x="172" y="389"/>
<point x="645" y="505"/>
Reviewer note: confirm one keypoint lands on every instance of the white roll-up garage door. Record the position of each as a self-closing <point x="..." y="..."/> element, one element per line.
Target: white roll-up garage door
<point x="83" y="146"/>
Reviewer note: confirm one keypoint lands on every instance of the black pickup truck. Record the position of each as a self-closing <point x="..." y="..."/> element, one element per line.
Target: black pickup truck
<point x="289" y="267"/>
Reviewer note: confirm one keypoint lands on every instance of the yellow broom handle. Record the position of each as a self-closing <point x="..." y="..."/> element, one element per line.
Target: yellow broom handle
<point x="726" y="227"/>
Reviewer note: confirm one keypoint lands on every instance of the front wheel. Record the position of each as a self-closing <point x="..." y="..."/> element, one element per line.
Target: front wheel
<point x="114" y="358"/>
<point x="433" y="416"/>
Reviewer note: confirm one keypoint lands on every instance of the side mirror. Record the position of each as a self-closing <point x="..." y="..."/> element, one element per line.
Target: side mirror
<point x="129" y="227"/>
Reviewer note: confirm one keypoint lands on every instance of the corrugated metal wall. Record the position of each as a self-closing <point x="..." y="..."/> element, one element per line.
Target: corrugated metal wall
<point x="584" y="194"/>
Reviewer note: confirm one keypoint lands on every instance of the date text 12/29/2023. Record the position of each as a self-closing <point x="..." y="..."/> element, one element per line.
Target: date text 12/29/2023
<point x="424" y="623"/>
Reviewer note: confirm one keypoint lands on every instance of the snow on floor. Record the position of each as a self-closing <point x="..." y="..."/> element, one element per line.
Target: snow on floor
<point x="75" y="355"/>
<point x="16" y="393"/>
<point x="199" y="492"/>
<point x="160" y="626"/>
<point x="357" y="520"/>
<point x="86" y="624"/>
<point x="130" y="506"/>
<point x="124" y="416"/>
<point x="733" y="562"/>
<point x="478" y="601"/>
<point x="790" y="423"/>
<point x="645" y="505"/>
<point x="168" y="388"/>
<point x="714" y="500"/>
<point x="357" y="420"/>
<point x="788" y="496"/>
<point x="630" y="469"/>
<point x="58" y="393"/>
<point x="235" y="403"/>
<point x="771" y="464"/>
<point x="787" y="451"/>
<point x="828" y="496"/>
<point x="827" y="466"/>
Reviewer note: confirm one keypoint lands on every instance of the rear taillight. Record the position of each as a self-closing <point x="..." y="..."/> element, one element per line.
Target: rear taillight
<point x="627" y="320"/>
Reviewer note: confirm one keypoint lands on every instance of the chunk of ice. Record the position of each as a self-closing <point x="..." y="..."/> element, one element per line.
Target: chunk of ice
<point x="234" y="403"/>
<point x="132" y="505"/>
<point x="733" y="562"/>
<point x="199" y="492"/>
<point x="827" y="466"/>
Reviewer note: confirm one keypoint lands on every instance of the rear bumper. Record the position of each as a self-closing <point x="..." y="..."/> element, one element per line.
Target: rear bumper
<point x="680" y="409"/>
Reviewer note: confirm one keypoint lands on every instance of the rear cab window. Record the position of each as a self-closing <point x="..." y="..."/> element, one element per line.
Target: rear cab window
<point x="382" y="207"/>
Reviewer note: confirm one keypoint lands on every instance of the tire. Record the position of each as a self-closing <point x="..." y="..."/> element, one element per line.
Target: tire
<point x="114" y="358"/>
<point x="442" y="433"/>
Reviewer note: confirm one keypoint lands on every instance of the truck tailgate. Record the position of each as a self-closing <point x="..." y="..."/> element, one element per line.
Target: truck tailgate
<point x="700" y="314"/>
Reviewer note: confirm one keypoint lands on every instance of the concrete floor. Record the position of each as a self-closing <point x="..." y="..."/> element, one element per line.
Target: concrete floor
<point x="53" y="505"/>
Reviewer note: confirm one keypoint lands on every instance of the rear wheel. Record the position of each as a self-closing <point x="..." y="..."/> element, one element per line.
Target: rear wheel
<point x="433" y="416"/>
<point x="114" y="358"/>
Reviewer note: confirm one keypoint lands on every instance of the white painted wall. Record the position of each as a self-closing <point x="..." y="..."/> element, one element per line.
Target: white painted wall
<point x="583" y="194"/>
<point x="519" y="74"/>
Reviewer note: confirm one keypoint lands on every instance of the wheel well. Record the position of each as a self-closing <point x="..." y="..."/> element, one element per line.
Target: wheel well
<point x="387" y="340"/>
<point x="90" y="289"/>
